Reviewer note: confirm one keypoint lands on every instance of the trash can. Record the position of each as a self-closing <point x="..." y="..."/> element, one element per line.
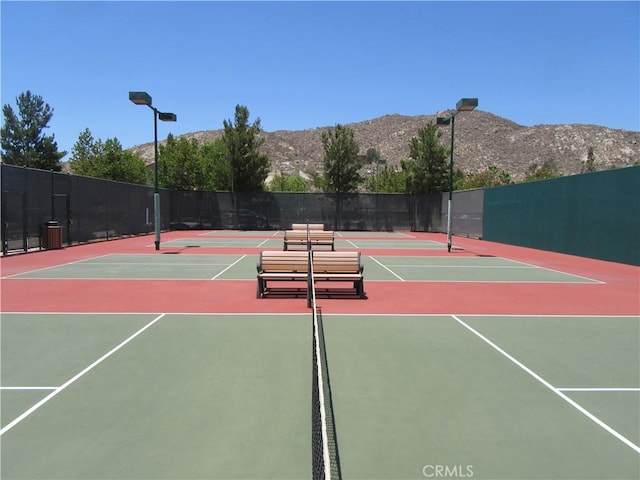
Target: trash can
<point x="52" y="235"/>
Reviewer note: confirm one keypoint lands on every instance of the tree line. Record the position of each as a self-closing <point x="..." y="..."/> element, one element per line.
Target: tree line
<point x="234" y="161"/>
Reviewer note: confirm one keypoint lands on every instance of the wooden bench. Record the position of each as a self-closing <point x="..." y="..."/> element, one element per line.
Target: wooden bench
<point x="303" y="226"/>
<point x="298" y="238"/>
<point x="341" y="267"/>
<point x="293" y="266"/>
<point x="281" y="266"/>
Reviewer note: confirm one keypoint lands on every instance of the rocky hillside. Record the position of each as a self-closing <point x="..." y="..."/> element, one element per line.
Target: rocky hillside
<point x="481" y="139"/>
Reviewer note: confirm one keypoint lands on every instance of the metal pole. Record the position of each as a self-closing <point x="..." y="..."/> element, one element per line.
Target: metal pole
<point x="453" y="122"/>
<point x="156" y="195"/>
<point x="53" y="217"/>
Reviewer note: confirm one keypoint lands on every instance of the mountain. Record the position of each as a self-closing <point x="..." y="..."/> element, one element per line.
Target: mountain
<point x="481" y="139"/>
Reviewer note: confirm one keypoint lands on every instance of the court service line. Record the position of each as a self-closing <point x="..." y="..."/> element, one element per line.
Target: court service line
<point x="28" y="388"/>
<point x="353" y="244"/>
<point x="554" y="270"/>
<point x="35" y="407"/>
<point x="55" y="266"/>
<point x="263" y="242"/>
<point x="600" y="389"/>
<point x="435" y="265"/>
<point x="146" y="264"/>
<point x="228" y="267"/>
<point x="555" y="390"/>
<point x="387" y="268"/>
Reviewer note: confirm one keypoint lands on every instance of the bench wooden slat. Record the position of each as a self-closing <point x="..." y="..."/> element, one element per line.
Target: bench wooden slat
<point x="315" y="238"/>
<point x="303" y="226"/>
<point x="293" y="266"/>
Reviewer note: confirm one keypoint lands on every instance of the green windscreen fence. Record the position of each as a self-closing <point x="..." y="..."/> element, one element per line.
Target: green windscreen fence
<point x="593" y="215"/>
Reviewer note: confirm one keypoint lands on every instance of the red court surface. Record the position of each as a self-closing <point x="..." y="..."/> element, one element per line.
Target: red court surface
<point x="618" y="292"/>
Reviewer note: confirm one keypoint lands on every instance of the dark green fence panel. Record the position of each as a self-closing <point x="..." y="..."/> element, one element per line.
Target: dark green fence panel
<point x="593" y="215"/>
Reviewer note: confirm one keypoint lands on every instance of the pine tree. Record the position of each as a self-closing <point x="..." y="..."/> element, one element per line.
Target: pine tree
<point x="341" y="163"/>
<point x="23" y="140"/>
<point x="250" y="167"/>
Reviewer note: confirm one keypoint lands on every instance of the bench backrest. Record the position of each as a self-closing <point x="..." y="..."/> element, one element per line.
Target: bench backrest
<point x="337" y="262"/>
<point x="313" y="235"/>
<point x="303" y="226"/>
<point x="284" y="261"/>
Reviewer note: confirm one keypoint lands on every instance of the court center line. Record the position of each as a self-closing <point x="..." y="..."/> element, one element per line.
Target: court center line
<point x="228" y="267"/>
<point x="353" y="244"/>
<point x="555" y="390"/>
<point x="263" y="242"/>
<point x="35" y="407"/>
<point x="387" y="268"/>
<point x="599" y="389"/>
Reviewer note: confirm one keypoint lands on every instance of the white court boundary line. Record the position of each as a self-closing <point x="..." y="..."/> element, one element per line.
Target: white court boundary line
<point x="57" y="266"/>
<point x="59" y="389"/>
<point x="599" y="389"/>
<point x="554" y="270"/>
<point x="88" y="262"/>
<point x="555" y="390"/>
<point x="523" y="265"/>
<point x="386" y="268"/>
<point x="220" y="273"/>
<point x="29" y="388"/>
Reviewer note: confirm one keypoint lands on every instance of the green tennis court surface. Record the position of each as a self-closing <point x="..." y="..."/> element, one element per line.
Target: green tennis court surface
<point x="412" y="394"/>
<point x="189" y="397"/>
<point x="142" y="396"/>
<point x="280" y="234"/>
<point x="243" y="267"/>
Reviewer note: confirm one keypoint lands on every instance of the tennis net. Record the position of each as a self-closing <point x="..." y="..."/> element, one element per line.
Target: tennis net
<point x="324" y="441"/>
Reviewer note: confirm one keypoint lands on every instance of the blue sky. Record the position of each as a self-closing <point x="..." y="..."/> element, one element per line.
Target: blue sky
<point x="299" y="65"/>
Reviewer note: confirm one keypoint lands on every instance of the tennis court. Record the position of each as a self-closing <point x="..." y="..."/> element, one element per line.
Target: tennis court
<point x="490" y="362"/>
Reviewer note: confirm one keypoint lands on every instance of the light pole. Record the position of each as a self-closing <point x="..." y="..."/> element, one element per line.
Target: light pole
<point x="463" y="105"/>
<point x="143" y="98"/>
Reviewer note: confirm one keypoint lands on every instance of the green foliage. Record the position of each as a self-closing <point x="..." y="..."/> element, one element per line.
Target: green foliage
<point x="428" y="168"/>
<point x="589" y="165"/>
<point x="180" y="164"/>
<point x="250" y="167"/>
<point x="216" y="168"/>
<point x="288" y="183"/>
<point x="548" y="169"/>
<point x="341" y="163"/>
<point x="458" y="180"/>
<point x="490" y="177"/>
<point x="185" y="164"/>
<point x="373" y="156"/>
<point x="83" y="154"/>
<point x="387" y="180"/>
<point x="23" y="140"/>
<point x="107" y="160"/>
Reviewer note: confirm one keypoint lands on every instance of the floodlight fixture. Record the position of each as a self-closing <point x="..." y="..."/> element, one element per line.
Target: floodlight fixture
<point x="463" y="105"/>
<point x="143" y="98"/>
<point x="167" y="117"/>
<point x="466" y="104"/>
<point x="140" y="98"/>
